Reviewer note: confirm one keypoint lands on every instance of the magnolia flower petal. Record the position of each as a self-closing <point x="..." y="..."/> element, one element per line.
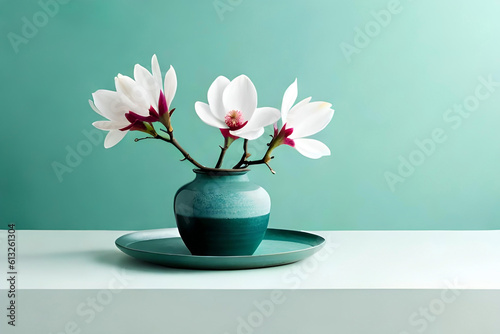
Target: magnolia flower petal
<point x="107" y="125"/>
<point x="262" y="117"/>
<point x="310" y="119"/>
<point x="288" y="100"/>
<point x="240" y="95"/>
<point x="155" y="70"/>
<point x="110" y="104"/>
<point x="311" y="148"/>
<point x="170" y="86"/>
<point x="148" y="83"/>
<point x="299" y="105"/>
<point x="113" y="138"/>
<point x="214" y="96"/>
<point x="250" y="135"/>
<point x="203" y="111"/>
<point x="92" y="105"/>
<point x="134" y="92"/>
<point x="143" y="77"/>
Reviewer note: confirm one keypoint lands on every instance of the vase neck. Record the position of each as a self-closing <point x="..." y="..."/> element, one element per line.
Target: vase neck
<point x="233" y="175"/>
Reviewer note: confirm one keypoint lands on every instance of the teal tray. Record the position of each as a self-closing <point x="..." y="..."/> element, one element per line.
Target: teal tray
<point x="279" y="247"/>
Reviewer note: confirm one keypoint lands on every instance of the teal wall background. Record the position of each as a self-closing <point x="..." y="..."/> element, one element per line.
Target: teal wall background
<point x="405" y="83"/>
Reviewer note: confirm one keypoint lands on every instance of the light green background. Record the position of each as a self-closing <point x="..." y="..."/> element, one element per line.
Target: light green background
<point x="393" y="91"/>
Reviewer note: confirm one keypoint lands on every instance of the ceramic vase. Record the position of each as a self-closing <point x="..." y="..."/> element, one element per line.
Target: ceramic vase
<point x="222" y="213"/>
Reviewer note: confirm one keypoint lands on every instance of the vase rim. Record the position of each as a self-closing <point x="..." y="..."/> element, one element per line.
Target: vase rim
<point x="221" y="171"/>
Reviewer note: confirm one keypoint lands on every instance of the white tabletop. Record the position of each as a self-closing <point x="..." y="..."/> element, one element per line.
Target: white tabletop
<point x="350" y="260"/>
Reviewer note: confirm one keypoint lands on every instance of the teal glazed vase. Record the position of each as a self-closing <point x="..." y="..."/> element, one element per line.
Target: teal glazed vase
<point x="222" y="213"/>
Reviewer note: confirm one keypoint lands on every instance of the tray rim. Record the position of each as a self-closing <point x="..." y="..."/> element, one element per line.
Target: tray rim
<point x="317" y="242"/>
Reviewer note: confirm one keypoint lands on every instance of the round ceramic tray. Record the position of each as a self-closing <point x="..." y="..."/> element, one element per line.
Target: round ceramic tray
<point x="166" y="248"/>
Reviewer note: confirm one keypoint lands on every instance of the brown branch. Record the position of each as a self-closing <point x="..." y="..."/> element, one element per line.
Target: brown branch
<point x="244" y="157"/>
<point x="244" y="163"/>
<point x="264" y="160"/>
<point x="227" y="141"/>
<point x="176" y="144"/>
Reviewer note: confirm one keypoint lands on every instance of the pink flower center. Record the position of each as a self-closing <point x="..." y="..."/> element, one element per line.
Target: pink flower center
<point x="234" y="120"/>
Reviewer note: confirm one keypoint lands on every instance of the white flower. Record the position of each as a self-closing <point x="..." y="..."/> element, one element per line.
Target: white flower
<point x="232" y="107"/>
<point x="136" y="103"/>
<point x="300" y="121"/>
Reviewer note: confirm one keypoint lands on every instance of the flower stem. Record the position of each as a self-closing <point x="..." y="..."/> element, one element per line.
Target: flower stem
<point x="176" y="144"/>
<point x="227" y="141"/>
<point x="244" y="157"/>
<point x="244" y="163"/>
<point x="185" y="154"/>
<point x="264" y="160"/>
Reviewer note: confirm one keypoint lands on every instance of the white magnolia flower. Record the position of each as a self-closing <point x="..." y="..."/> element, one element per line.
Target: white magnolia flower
<point x="232" y="107"/>
<point x="136" y="103"/>
<point x="300" y="121"/>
